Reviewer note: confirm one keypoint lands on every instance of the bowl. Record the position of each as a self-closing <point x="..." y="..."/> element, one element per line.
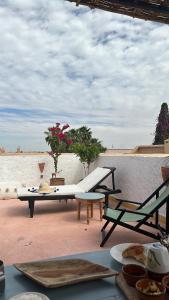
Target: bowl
<point x="30" y="295"/>
<point x="165" y="282"/>
<point x="148" y="289"/>
<point x="156" y="276"/>
<point x="132" y="273"/>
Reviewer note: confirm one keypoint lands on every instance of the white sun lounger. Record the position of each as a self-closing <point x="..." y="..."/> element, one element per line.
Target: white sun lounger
<point x="88" y="184"/>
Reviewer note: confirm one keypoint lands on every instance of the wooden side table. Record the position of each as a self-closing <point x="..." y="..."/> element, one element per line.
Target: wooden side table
<point x="89" y="199"/>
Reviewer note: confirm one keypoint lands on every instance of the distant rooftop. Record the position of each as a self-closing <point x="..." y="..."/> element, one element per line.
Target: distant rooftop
<point x="141" y="149"/>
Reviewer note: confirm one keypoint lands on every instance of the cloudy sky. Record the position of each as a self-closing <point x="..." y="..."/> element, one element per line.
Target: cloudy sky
<point x="68" y="64"/>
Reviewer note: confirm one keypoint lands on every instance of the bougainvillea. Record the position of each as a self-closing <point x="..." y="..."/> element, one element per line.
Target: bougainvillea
<point x="58" y="140"/>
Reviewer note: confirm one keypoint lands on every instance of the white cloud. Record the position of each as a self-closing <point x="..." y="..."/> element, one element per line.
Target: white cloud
<point x="85" y="67"/>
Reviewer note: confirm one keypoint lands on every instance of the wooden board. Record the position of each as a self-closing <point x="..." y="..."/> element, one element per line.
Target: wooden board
<point x="129" y="292"/>
<point x="56" y="273"/>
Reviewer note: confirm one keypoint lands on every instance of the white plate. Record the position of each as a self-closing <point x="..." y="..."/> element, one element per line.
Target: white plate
<point x="30" y="295"/>
<point x="116" y="253"/>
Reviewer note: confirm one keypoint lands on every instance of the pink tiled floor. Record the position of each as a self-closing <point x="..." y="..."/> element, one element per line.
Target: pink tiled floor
<point x="54" y="231"/>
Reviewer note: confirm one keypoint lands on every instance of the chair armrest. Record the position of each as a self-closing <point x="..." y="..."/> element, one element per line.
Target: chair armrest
<point x="109" y="190"/>
<point x="129" y="201"/>
<point x="134" y="212"/>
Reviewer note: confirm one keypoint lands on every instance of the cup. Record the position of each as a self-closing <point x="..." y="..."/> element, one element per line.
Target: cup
<point x="2" y="277"/>
<point x="157" y="261"/>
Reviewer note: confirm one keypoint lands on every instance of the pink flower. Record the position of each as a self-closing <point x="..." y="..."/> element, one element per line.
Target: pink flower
<point x="61" y="135"/>
<point x="53" y="133"/>
<point x="65" y="126"/>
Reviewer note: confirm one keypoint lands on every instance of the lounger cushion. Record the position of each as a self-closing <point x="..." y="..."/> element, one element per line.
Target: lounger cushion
<point x="60" y="190"/>
<point x="83" y="186"/>
<point x="93" y="178"/>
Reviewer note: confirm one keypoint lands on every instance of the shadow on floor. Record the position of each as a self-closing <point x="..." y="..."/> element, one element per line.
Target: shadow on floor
<point x="49" y="207"/>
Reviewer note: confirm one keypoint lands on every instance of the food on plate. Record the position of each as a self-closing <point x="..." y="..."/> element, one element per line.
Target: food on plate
<point x="150" y="287"/>
<point x="135" y="251"/>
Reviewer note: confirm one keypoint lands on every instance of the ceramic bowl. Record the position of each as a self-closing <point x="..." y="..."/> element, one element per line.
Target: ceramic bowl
<point x="30" y="295"/>
<point x="148" y="289"/>
<point x="165" y="282"/>
<point x="132" y="273"/>
<point x="156" y="276"/>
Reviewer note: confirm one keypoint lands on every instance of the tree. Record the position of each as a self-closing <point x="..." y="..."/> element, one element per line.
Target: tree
<point x="85" y="146"/>
<point x="162" y="127"/>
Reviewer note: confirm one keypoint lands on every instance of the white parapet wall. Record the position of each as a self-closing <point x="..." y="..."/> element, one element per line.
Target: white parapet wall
<point x="137" y="175"/>
<point x="23" y="171"/>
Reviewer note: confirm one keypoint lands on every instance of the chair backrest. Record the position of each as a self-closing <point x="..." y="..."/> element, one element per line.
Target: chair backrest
<point x="155" y="204"/>
<point x="95" y="177"/>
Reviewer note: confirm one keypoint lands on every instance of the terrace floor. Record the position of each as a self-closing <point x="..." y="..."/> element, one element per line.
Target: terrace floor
<point x="53" y="231"/>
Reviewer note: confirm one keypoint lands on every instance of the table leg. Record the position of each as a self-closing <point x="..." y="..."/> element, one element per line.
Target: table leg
<point x="91" y="210"/>
<point x="101" y="209"/>
<point x="88" y="206"/>
<point x="78" y="209"/>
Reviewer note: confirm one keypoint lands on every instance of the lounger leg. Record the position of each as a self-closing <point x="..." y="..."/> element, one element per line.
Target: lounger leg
<point x="105" y="225"/>
<point x="31" y="207"/>
<point x="108" y="234"/>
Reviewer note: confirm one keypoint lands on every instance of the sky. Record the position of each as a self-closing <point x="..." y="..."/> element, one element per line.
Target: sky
<point x="68" y="64"/>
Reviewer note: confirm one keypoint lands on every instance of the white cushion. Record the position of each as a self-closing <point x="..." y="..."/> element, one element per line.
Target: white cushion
<point x="83" y="186"/>
<point x="93" y="178"/>
<point x="60" y="190"/>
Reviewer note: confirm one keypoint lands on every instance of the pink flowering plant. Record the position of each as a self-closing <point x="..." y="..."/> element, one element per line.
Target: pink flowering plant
<point x="58" y="140"/>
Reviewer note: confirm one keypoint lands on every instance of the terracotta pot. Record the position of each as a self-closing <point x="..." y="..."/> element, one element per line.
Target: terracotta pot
<point x="165" y="173"/>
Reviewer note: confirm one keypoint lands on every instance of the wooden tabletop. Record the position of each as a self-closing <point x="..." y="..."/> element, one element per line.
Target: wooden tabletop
<point x="101" y="289"/>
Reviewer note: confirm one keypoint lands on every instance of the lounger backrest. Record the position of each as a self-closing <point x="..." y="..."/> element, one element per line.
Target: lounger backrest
<point x="156" y="202"/>
<point x="93" y="178"/>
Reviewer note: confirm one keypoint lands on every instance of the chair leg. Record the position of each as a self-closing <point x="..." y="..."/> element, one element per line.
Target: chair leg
<point x="105" y="225"/>
<point x="108" y="234"/>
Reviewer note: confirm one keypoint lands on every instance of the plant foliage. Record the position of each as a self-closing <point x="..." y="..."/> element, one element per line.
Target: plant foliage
<point x="85" y="146"/>
<point x="162" y="127"/>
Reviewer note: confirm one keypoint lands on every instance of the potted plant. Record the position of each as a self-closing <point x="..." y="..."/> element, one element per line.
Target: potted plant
<point x="165" y="169"/>
<point x="59" y="142"/>
<point x="85" y="146"/>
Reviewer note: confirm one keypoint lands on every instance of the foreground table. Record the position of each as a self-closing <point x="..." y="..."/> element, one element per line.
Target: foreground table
<point x="101" y="289"/>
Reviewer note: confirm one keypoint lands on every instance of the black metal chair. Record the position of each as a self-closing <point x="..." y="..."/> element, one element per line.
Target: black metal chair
<point x="141" y="216"/>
